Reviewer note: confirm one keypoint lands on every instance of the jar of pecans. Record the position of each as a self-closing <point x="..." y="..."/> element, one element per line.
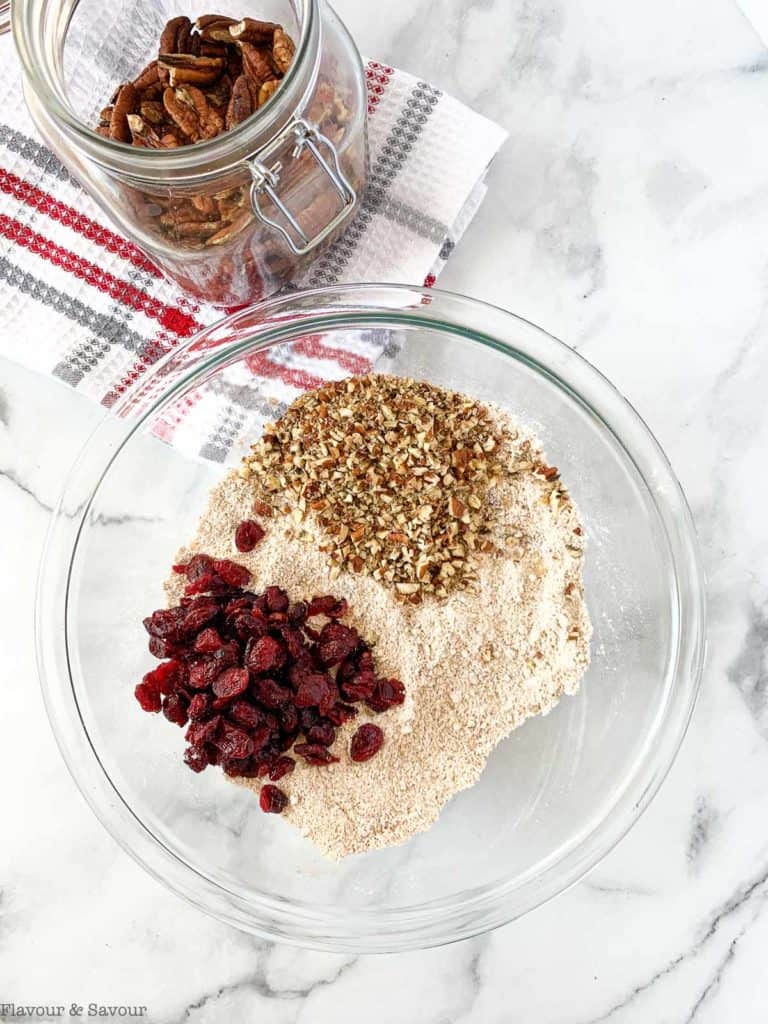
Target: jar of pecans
<point x="230" y="144"/>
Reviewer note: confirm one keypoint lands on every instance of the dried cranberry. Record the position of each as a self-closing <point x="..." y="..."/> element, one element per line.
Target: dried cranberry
<point x="197" y="566"/>
<point x="199" y="707"/>
<point x="203" y="732"/>
<point x="242" y="712"/>
<point x="208" y="584"/>
<point x="199" y="614"/>
<point x="294" y="641"/>
<point x="282" y="766"/>
<point x="208" y="641"/>
<point x="196" y="758"/>
<point x="315" y="753"/>
<point x="239" y="604"/>
<point x="231" y="683"/>
<point x="277" y="599"/>
<point x="270" y="693"/>
<point x="247" y="535"/>
<point x="251" y="676"/>
<point x="166" y="623"/>
<point x="272" y="800"/>
<point x="336" y="643"/>
<point x="387" y="694"/>
<point x="247" y="625"/>
<point x="297" y="613"/>
<point x="330" y="606"/>
<point x="236" y="766"/>
<point x="265" y="655"/>
<point x="323" y="732"/>
<point x="308" y="717"/>
<point x="166" y="677"/>
<point x="289" y="718"/>
<point x="234" y="742"/>
<point x="214" y="757"/>
<point x="314" y="690"/>
<point x="174" y="709"/>
<point x="203" y="672"/>
<point x="163" y="648"/>
<point x="232" y="573"/>
<point x="360" y="687"/>
<point x="148" y="696"/>
<point x="340" y="713"/>
<point x="366" y="742"/>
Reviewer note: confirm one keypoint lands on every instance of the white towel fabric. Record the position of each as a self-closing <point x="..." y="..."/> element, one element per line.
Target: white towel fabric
<point x="82" y="303"/>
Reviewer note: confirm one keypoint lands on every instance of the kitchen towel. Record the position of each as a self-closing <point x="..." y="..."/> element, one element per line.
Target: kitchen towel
<point x="82" y="303"/>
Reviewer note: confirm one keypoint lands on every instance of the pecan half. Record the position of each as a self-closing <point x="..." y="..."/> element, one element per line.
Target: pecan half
<point x="235" y="226"/>
<point x="219" y="94"/>
<point x="148" y="78"/>
<point x="213" y="50"/>
<point x="206" y="205"/>
<point x="283" y="49"/>
<point x="143" y="134"/>
<point x="185" y="69"/>
<point x="256" y="64"/>
<point x="210" y="120"/>
<point x="125" y="104"/>
<point x="152" y="111"/>
<point x="241" y="103"/>
<point x="176" y="30"/>
<point x="201" y="230"/>
<point x="249" y="30"/>
<point x="215" y="28"/>
<point x="268" y="90"/>
<point x="181" y="114"/>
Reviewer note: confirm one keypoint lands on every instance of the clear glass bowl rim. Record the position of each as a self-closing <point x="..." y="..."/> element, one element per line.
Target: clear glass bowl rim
<point x="276" y="321"/>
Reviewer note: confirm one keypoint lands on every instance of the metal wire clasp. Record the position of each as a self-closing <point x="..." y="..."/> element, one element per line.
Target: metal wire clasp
<point x="266" y="180"/>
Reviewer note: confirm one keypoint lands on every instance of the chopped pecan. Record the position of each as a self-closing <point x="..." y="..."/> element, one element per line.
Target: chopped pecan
<point x="125" y="104"/>
<point x="176" y="30"/>
<point x="105" y="117"/>
<point x="283" y="49"/>
<point x="268" y="90"/>
<point x="241" y="103"/>
<point x="249" y="30"/>
<point x="256" y="64"/>
<point x="185" y="69"/>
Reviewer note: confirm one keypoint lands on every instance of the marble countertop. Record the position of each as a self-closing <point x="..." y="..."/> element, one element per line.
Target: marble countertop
<point x="627" y="214"/>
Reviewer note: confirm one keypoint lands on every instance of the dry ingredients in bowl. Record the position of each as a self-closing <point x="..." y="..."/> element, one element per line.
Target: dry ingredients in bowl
<point x="449" y="555"/>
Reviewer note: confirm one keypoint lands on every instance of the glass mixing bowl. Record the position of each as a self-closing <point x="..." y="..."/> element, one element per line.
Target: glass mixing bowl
<point x="555" y="796"/>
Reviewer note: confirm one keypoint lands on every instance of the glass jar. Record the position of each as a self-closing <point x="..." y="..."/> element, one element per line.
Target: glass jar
<point x="555" y="796"/>
<point x="231" y="219"/>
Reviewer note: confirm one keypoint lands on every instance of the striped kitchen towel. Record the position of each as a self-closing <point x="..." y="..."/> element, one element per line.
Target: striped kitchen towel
<point x="82" y="303"/>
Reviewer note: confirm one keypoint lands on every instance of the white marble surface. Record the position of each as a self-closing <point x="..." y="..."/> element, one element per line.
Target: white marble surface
<point x="628" y="215"/>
